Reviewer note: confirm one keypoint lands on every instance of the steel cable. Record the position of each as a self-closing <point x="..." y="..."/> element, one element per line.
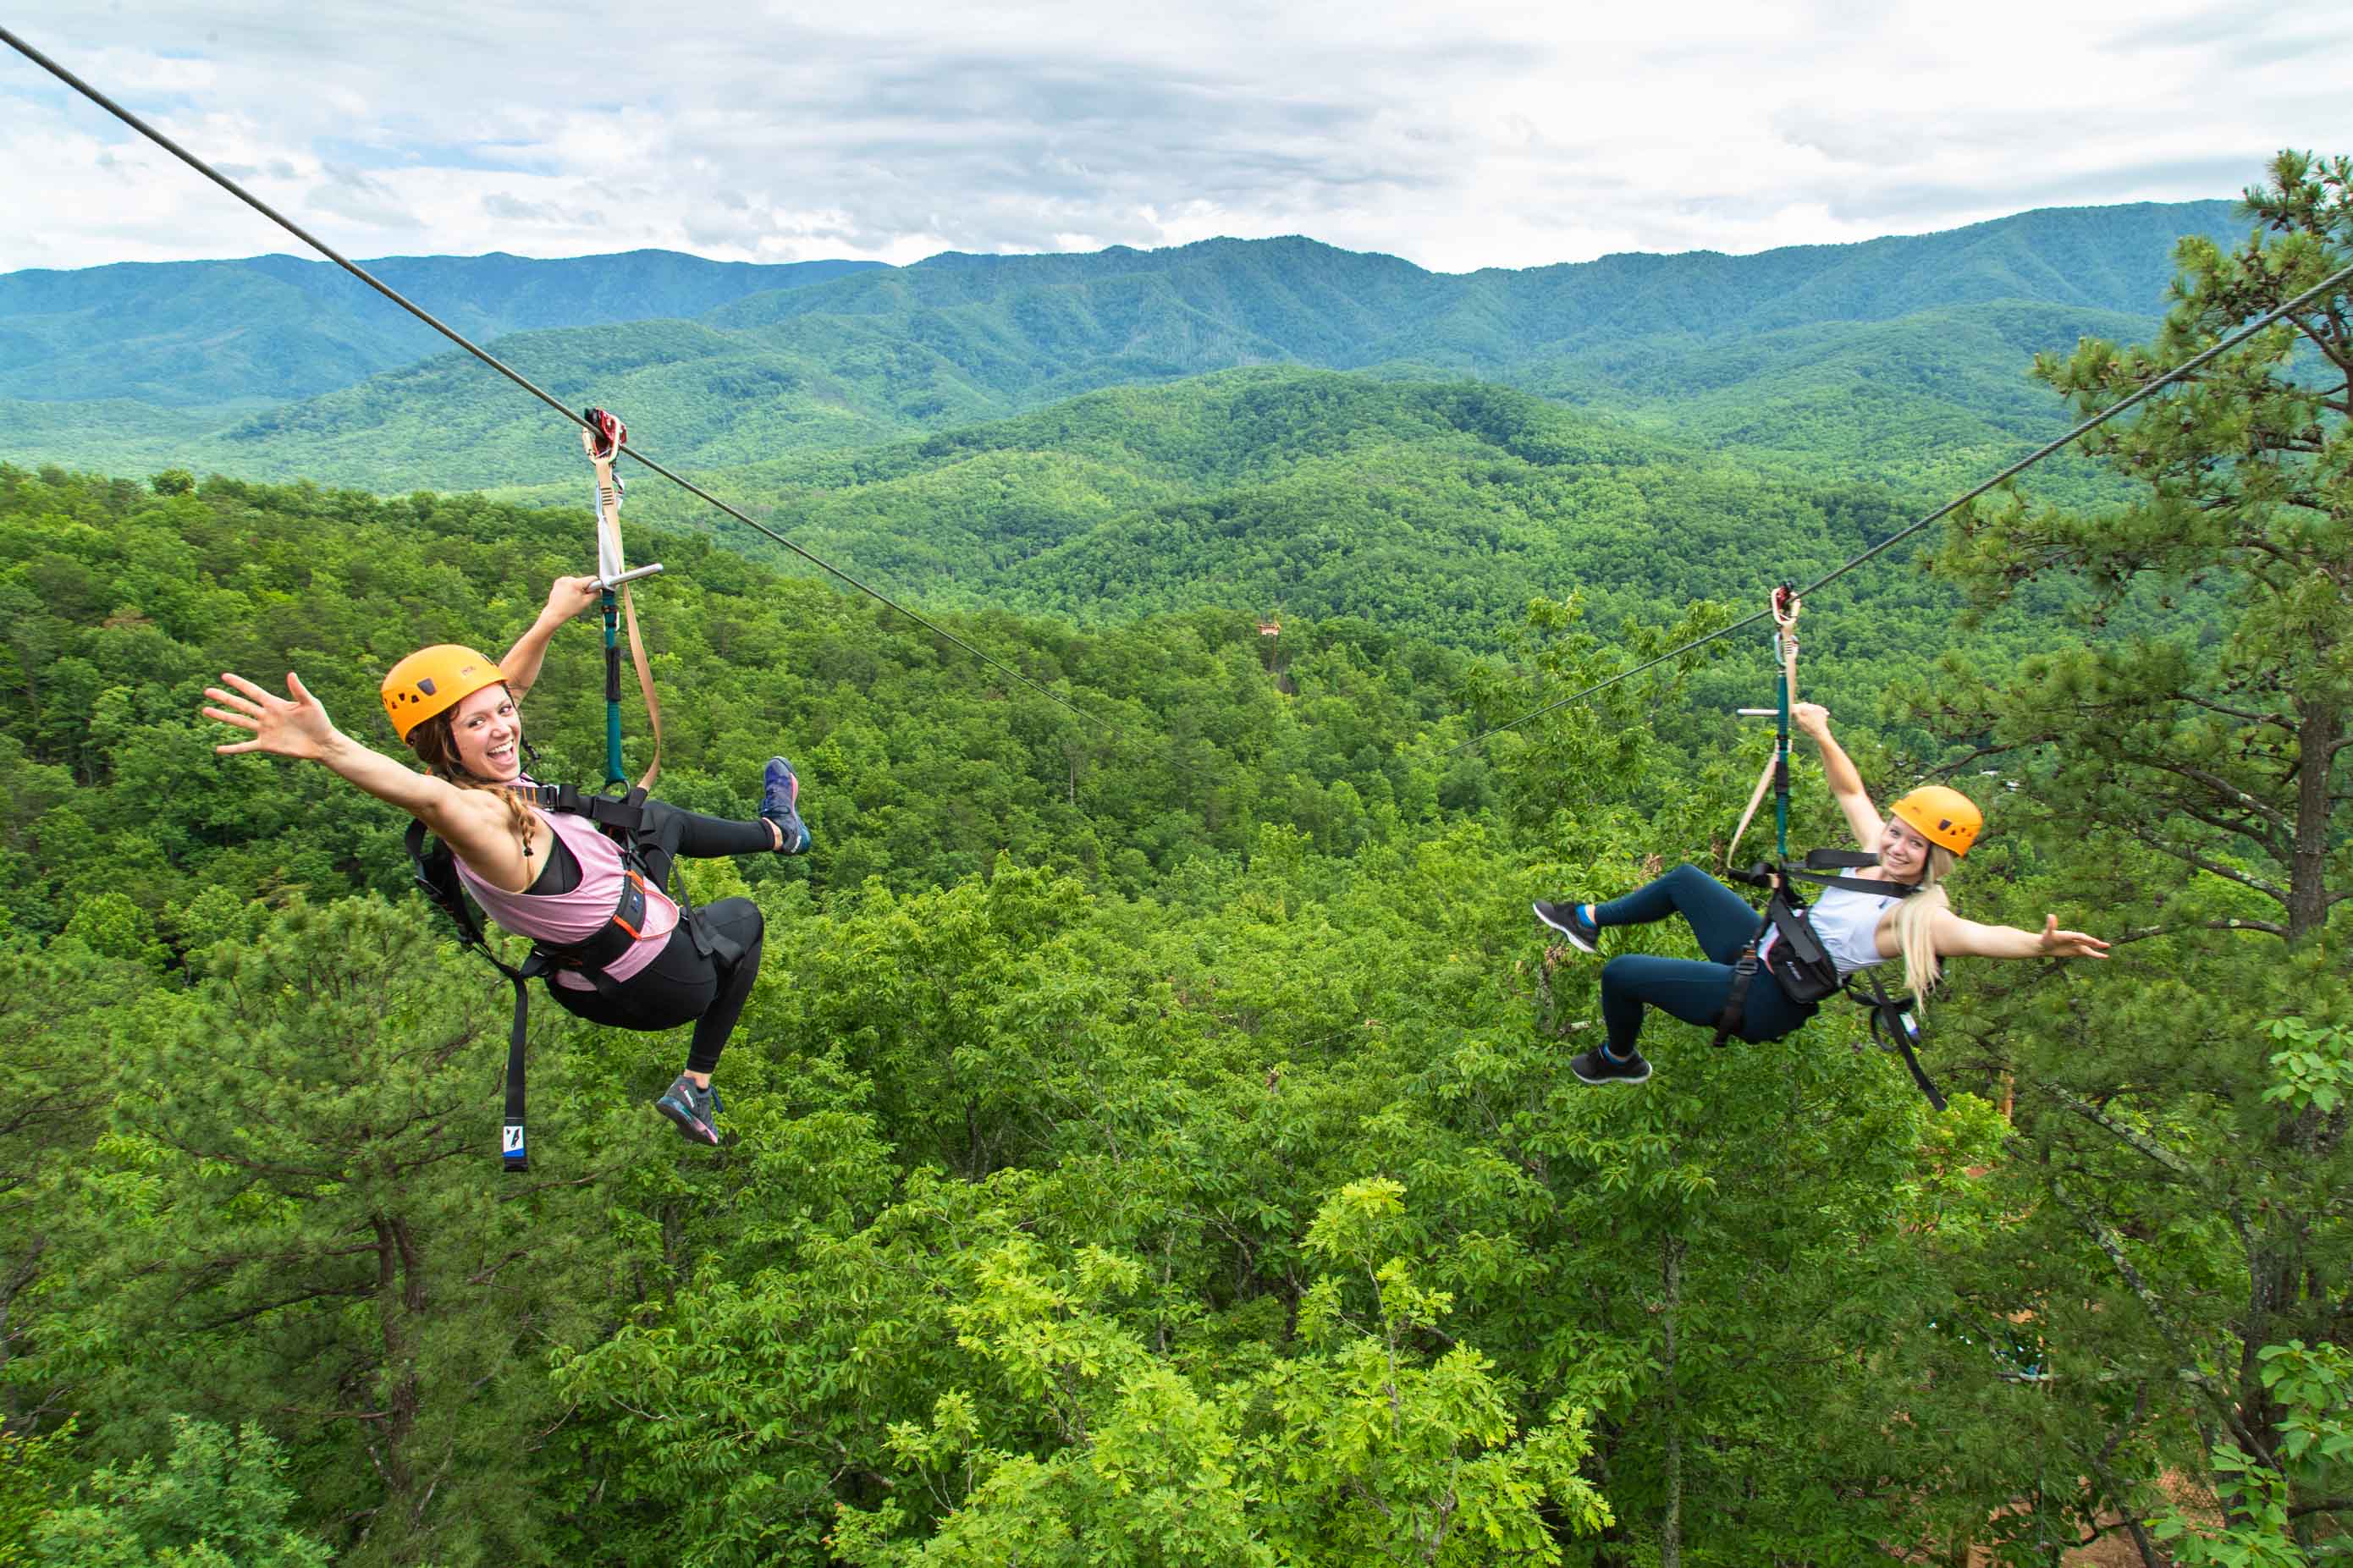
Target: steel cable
<point x="2095" y="422"/>
<point x="505" y="369"/>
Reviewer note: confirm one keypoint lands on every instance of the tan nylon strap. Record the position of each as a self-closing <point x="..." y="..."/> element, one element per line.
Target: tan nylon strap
<point x="646" y="685"/>
<point x="1756" y="799"/>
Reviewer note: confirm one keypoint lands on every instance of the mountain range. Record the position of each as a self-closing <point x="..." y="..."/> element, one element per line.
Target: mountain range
<point x="1899" y="358"/>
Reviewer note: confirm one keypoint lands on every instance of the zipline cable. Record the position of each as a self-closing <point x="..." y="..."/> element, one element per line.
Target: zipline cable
<point x="2095" y="422"/>
<point x="398" y="298"/>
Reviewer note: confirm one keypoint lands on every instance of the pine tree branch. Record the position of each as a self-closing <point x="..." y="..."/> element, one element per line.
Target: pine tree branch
<point x="257" y="1167"/>
<point x="2219" y="785"/>
<point x="2234" y="923"/>
<point x="2105" y="1241"/>
<point x="2271" y="843"/>
<point x="487" y="1275"/>
<point x="2280" y="720"/>
<point x="2155" y="1151"/>
<point x="2191" y="857"/>
<point x="1948" y="769"/>
<point x="2333" y="353"/>
<point x="268" y="1307"/>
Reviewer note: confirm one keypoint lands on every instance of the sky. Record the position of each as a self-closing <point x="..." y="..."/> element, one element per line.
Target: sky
<point x="1459" y="136"/>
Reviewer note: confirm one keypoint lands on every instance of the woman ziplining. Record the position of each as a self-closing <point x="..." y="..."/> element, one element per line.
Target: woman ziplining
<point x="1802" y="961"/>
<point x="585" y="878"/>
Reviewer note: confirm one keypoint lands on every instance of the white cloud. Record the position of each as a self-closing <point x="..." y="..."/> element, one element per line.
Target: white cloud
<point x="1474" y="135"/>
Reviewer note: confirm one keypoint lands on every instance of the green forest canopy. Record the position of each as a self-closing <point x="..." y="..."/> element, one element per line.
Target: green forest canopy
<point x="1152" y="1140"/>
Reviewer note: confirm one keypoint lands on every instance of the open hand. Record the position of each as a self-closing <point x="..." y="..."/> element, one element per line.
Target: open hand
<point x="296" y="728"/>
<point x="2057" y="943"/>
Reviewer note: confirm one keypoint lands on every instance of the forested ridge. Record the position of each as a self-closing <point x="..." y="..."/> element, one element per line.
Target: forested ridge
<point x="1151" y="1135"/>
<point x="1434" y="510"/>
<point x="269" y="371"/>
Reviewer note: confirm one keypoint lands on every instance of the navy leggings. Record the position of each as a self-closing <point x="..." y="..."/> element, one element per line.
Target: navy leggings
<point x="1690" y="990"/>
<point x="682" y="984"/>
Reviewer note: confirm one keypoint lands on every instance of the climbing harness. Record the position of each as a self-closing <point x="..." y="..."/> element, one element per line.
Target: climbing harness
<point x="603" y="436"/>
<point x="624" y="819"/>
<point x="1807" y="972"/>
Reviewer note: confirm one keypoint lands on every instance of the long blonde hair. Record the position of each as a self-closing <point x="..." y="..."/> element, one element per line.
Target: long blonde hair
<point x="435" y="741"/>
<point x="1914" y="924"/>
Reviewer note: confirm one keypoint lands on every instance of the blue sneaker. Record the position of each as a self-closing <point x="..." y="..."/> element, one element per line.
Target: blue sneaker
<point x="1571" y="921"/>
<point x="694" y="1109"/>
<point x="780" y="794"/>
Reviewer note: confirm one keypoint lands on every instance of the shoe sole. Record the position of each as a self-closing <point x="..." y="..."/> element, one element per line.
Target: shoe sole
<point x="696" y="1130"/>
<point x="1598" y="1082"/>
<point x="802" y="847"/>
<point x="1575" y="941"/>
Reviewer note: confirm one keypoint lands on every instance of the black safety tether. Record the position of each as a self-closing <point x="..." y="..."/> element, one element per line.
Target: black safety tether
<point x="623" y="819"/>
<point x="437" y="875"/>
<point x="1893" y="1024"/>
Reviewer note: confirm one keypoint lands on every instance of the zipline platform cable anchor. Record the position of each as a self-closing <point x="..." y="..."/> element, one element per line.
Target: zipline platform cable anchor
<point x="2269" y="318"/>
<point x="398" y="298"/>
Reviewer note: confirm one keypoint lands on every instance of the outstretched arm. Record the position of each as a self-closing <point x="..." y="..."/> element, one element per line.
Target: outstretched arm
<point x="567" y="598"/>
<point x="1957" y="938"/>
<point x="297" y="726"/>
<point x="1839" y="773"/>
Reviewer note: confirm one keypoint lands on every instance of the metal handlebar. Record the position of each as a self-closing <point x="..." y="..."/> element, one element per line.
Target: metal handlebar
<point x="606" y="584"/>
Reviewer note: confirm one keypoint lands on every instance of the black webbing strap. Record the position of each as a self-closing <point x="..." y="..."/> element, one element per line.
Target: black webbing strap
<point x="437" y="875"/>
<point x="623" y="816"/>
<point x="514" y="1154"/>
<point x="1729" y="1023"/>
<point x="1893" y="1024"/>
<point x="1819" y="861"/>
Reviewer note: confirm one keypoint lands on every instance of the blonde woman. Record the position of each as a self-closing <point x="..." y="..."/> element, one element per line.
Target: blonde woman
<point x="1917" y="843"/>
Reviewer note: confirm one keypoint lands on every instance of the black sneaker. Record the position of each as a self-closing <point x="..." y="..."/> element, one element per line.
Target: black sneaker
<point x="1570" y="922"/>
<point x="780" y="795"/>
<point x="1597" y="1066"/>
<point x="694" y="1109"/>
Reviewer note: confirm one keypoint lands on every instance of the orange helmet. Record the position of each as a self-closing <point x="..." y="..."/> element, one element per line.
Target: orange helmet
<point x="1943" y="816"/>
<point x="434" y="680"/>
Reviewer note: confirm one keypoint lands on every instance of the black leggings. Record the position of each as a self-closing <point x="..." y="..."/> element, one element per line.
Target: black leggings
<point x="682" y="984"/>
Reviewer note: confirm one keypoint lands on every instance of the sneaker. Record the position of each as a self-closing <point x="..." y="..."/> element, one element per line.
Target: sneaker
<point x="1570" y="920"/>
<point x="695" y="1109"/>
<point x="780" y="794"/>
<point x="1597" y="1066"/>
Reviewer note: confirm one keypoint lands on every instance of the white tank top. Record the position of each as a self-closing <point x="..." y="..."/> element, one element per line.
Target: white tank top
<point x="1847" y="925"/>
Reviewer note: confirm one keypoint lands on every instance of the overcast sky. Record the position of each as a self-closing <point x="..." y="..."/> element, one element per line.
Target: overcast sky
<point x="1459" y="135"/>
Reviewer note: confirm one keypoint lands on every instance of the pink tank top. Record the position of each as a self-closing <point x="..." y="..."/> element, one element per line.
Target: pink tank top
<point x="581" y="913"/>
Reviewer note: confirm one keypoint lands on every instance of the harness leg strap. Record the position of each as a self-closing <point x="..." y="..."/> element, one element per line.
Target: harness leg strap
<point x="513" y="1153"/>
<point x="1735" y="1002"/>
<point x="1729" y="1023"/>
